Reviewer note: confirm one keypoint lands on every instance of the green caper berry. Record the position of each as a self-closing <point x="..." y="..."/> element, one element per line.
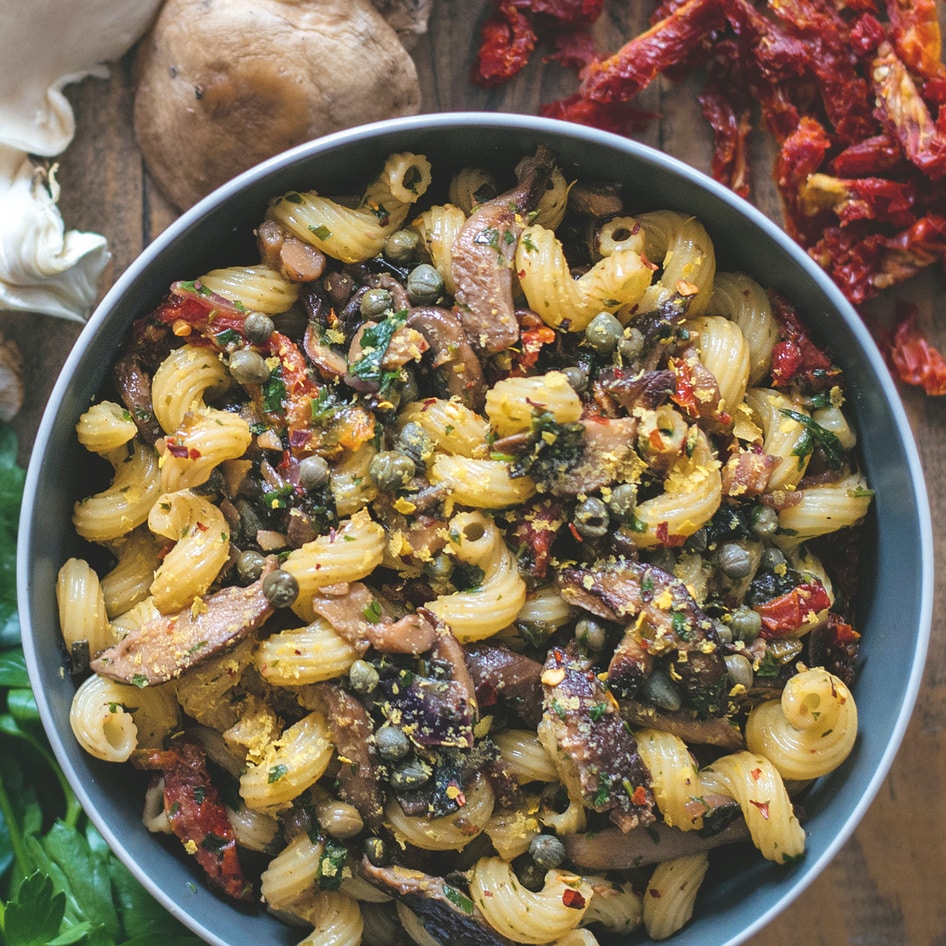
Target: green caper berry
<point x="376" y="851"/>
<point x="577" y="377"/>
<point x="603" y="333"/>
<point x="314" y="473"/>
<point x="375" y="302"/>
<point x="659" y="691"/>
<point x="723" y="632"/>
<point x="391" y="743"/>
<point x="529" y="874"/>
<point x="764" y="522"/>
<point x="734" y="561"/>
<point x="773" y="558"/>
<point x="415" y="442"/>
<point x="439" y="568"/>
<point x="547" y="851"/>
<point x="739" y="670"/>
<point x="632" y="344"/>
<point x="391" y="469"/>
<point x="248" y="367"/>
<point x="591" y="634"/>
<point x="410" y="775"/>
<point x="362" y="676"/>
<point x="258" y="328"/>
<point x="280" y="588"/>
<point x="591" y="518"/>
<point x="401" y="246"/>
<point x="424" y="285"/>
<point x="623" y="501"/>
<point x="250" y="566"/>
<point x="409" y="389"/>
<point x="745" y="624"/>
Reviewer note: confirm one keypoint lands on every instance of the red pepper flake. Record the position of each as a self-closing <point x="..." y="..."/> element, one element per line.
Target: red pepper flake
<point x="640" y="796"/>
<point x="573" y="899"/>
<point x="655" y="893"/>
<point x="578" y="536"/>
<point x="763" y="807"/>
<point x="756" y="774"/>
<point x="665" y="538"/>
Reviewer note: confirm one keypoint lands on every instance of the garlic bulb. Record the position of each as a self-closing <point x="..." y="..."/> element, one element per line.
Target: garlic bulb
<point x="43" y="267"/>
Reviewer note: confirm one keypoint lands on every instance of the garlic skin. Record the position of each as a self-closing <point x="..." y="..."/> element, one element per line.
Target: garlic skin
<point x="43" y="267"/>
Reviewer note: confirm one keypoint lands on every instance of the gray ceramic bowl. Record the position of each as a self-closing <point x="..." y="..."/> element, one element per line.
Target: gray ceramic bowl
<point x="743" y="891"/>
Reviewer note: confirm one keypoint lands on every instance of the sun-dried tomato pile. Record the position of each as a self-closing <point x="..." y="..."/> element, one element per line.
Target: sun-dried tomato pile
<point x="854" y="95"/>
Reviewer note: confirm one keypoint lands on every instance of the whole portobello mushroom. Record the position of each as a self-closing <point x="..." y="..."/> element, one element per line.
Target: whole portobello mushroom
<point x="224" y="84"/>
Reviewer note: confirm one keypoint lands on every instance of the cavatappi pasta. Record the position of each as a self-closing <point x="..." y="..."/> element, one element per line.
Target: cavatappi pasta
<point x="440" y="616"/>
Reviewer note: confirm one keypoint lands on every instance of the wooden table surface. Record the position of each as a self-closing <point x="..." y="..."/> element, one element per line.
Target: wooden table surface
<point x="886" y="886"/>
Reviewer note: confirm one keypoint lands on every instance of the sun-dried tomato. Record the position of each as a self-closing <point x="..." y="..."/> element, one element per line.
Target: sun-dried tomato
<point x="728" y="109"/>
<point x="915" y="32"/>
<point x="507" y="40"/>
<point x="617" y="117"/>
<point x="796" y="359"/>
<point x="196" y="813"/>
<point x="574" y="50"/>
<point x="878" y="154"/>
<point x="784" y="615"/>
<point x="916" y="361"/>
<point x="630" y="70"/>
<point x="564" y="14"/>
<point x="905" y="114"/>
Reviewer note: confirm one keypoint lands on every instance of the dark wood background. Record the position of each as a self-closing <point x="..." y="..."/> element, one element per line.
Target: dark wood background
<point x="886" y="887"/>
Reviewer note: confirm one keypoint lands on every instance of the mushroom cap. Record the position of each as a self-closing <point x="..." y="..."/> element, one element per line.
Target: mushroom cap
<point x="225" y="84"/>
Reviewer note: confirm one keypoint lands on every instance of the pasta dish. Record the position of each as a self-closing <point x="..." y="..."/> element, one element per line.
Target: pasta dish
<point x="475" y="564"/>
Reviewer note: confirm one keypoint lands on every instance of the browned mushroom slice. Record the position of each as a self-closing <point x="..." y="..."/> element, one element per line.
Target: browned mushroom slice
<point x="612" y="849"/>
<point x="350" y="728"/>
<point x="364" y="620"/>
<point x="166" y="646"/>
<point x="455" y="364"/>
<point x="501" y="674"/>
<point x="715" y="731"/>
<point x="483" y="252"/>
<point x="669" y="624"/>
<point x="586" y="723"/>
<point x="445" y="912"/>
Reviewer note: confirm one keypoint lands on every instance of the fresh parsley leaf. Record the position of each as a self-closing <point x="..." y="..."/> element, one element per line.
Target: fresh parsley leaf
<point x="34" y="916"/>
<point x="816" y="436"/>
<point x="375" y="341"/>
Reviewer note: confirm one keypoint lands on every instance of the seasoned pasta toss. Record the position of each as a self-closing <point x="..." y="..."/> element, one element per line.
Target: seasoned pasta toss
<point x="475" y="564"/>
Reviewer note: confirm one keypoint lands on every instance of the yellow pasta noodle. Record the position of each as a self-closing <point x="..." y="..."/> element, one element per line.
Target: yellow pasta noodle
<point x="257" y="288"/>
<point x="82" y="612"/>
<point x="810" y="730"/>
<point x="671" y="894"/>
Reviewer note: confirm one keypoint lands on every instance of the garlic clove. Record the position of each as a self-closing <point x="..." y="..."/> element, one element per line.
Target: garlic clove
<point x="43" y="267"/>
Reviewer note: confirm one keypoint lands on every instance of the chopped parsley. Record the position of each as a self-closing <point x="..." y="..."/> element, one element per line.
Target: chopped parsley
<point x="816" y="436"/>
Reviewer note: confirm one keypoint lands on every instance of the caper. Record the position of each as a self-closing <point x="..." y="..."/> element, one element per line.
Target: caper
<point x="248" y="367"/>
<point x="723" y="632"/>
<point x="604" y="333"/>
<point x="313" y="473"/>
<point x="745" y="624"/>
<point x="391" y="469"/>
<point x="424" y="285"/>
<point x="734" y="560"/>
<point x="591" y="518"/>
<point x="764" y="522"/>
<point x="339" y="819"/>
<point x="659" y="690"/>
<point x="376" y="851"/>
<point x="250" y="566"/>
<point x="739" y="670"/>
<point x="577" y="377"/>
<point x="547" y="851"/>
<point x="409" y="389"/>
<point x="699" y="541"/>
<point x="280" y="588"/>
<point x="391" y="743"/>
<point x="258" y="328"/>
<point x="439" y="568"/>
<point x="401" y="246"/>
<point x="772" y="558"/>
<point x="590" y="633"/>
<point x="623" y="501"/>
<point x="410" y="775"/>
<point x="632" y="344"/>
<point x="415" y="442"/>
<point x="362" y="676"/>
<point x="375" y="302"/>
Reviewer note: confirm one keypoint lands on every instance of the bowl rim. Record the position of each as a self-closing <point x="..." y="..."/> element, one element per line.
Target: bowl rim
<point x="536" y="126"/>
